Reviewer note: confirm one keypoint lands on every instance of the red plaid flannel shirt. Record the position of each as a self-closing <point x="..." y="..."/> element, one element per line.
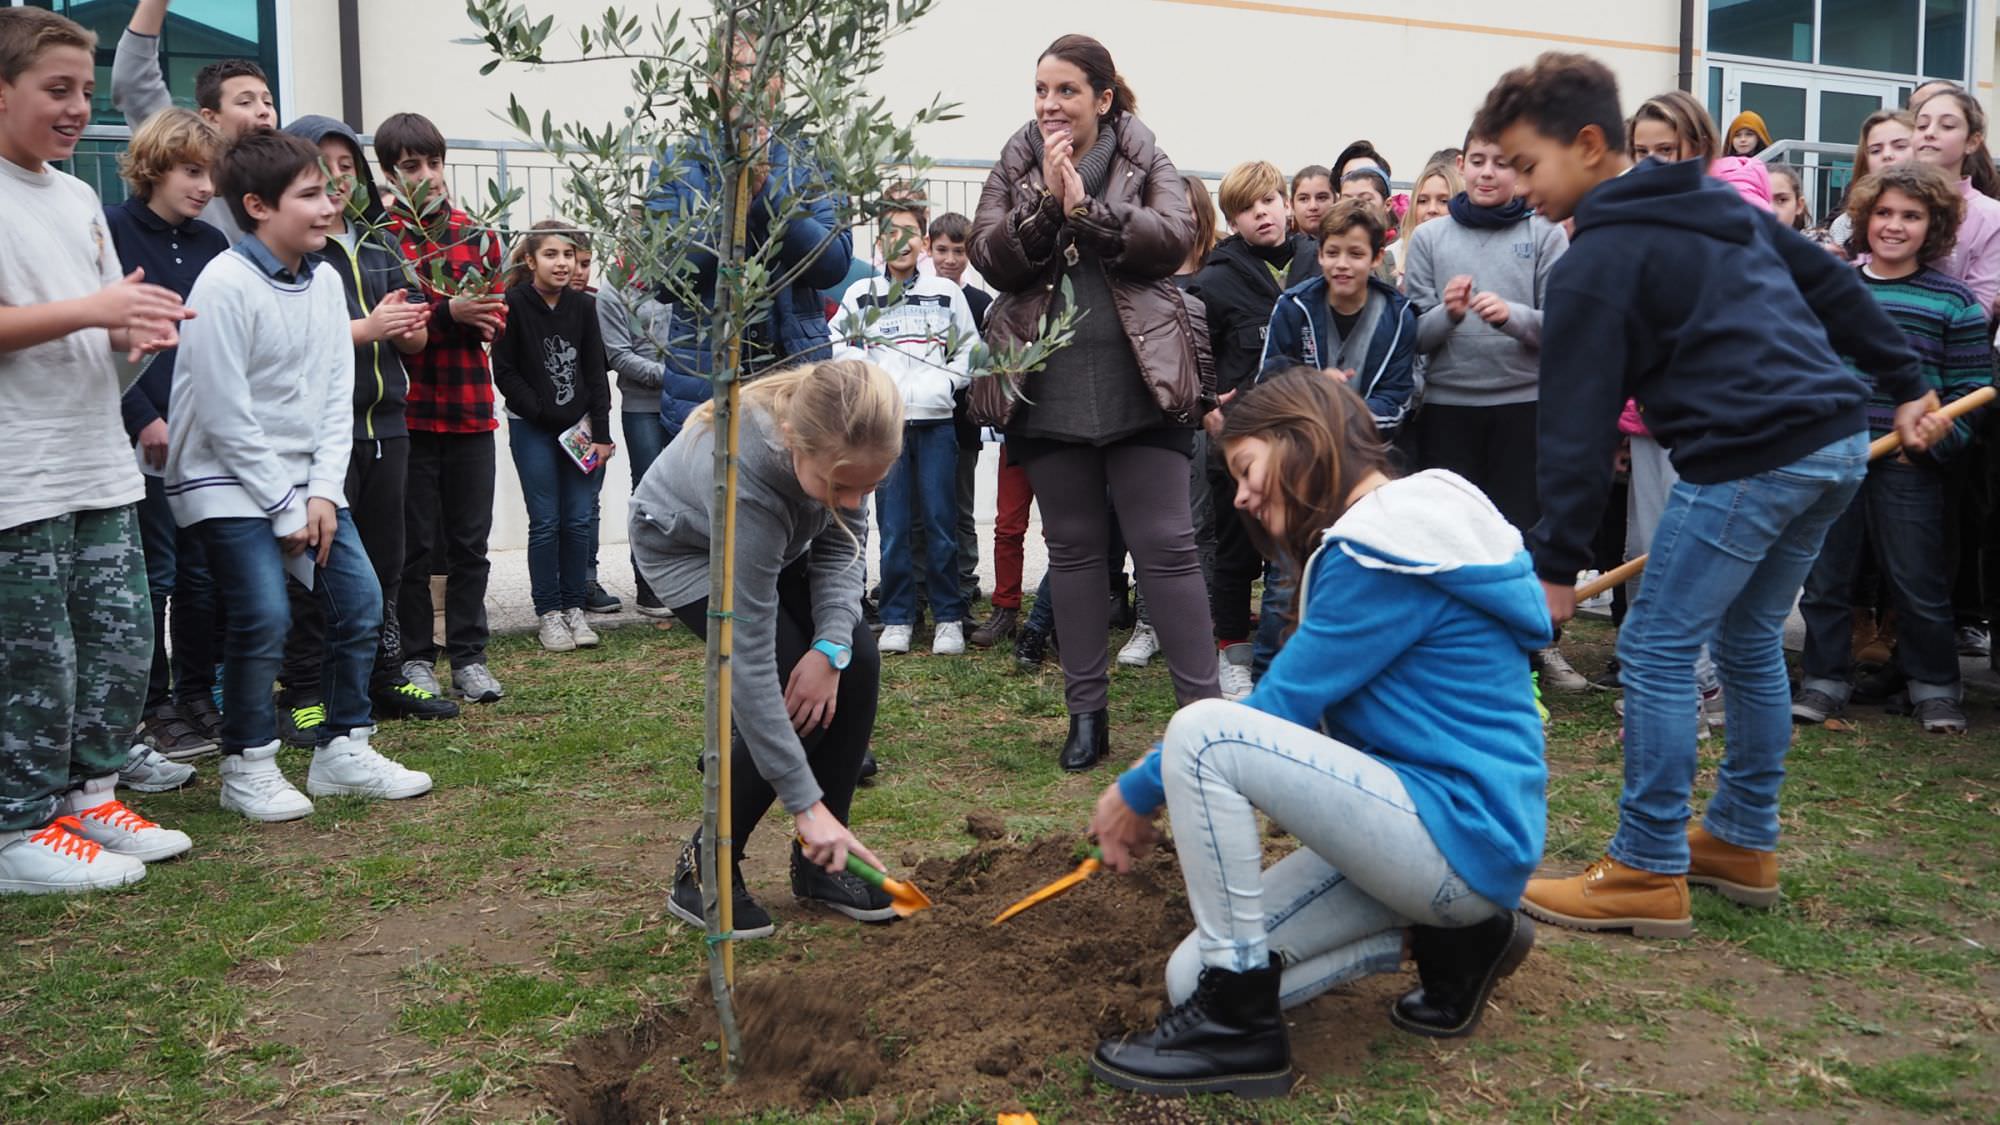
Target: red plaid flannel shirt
<point x="451" y="380"/>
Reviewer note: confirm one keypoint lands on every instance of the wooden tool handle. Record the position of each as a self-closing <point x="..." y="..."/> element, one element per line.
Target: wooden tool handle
<point x="1881" y="447"/>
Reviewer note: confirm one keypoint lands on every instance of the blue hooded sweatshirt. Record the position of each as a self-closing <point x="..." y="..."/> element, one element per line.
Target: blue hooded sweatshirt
<point x="1418" y="654"/>
<point x="795" y="329"/>
<point x="1302" y="332"/>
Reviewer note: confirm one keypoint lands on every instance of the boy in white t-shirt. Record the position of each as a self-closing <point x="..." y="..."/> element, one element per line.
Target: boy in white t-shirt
<point x="76" y="625"/>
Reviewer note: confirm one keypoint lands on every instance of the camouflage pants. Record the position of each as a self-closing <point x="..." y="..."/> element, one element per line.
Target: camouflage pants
<point x="76" y="639"/>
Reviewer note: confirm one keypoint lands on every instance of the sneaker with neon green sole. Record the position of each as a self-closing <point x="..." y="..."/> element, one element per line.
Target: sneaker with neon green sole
<point x="408" y="701"/>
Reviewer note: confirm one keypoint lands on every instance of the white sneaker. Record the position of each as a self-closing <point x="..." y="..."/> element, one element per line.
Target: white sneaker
<point x="59" y="858"/>
<point x="1557" y="675"/>
<point x="555" y="634"/>
<point x="1234" y="676"/>
<point x="253" y="785"/>
<point x="1715" y="709"/>
<point x="349" y="767"/>
<point x="421" y="674"/>
<point x="106" y="821"/>
<point x="895" y="638"/>
<point x="474" y="684"/>
<point x="1141" y="647"/>
<point x="948" y="639"/>
<point x="149" y="771"/>
<point x="579" y="629"/>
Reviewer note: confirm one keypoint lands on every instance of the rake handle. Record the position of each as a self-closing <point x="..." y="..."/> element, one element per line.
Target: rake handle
<point x="1877" y="449"/>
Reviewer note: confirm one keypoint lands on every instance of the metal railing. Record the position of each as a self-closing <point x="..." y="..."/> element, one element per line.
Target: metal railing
<point x="1825" y="171"/>
<point x="951" y="184"/>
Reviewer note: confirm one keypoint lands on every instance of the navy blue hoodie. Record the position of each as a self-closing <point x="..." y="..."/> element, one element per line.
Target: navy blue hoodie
<point x="1302" y="332"/>
<point x="1726" y="327"/>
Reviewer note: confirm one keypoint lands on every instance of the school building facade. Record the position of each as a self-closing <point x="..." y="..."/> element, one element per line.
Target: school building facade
<point x="1219" y="80"/>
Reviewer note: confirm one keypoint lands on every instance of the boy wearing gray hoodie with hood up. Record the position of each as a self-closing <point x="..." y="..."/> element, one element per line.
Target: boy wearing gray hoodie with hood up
<point x="387" y="325"/>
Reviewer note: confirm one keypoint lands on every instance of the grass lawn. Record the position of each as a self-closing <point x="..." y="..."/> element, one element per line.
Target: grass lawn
<point x="440" y="959"/>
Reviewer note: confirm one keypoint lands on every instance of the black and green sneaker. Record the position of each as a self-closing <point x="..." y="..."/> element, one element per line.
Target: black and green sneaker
<point x="408" y="701"/>
<point x="303" y="724"/>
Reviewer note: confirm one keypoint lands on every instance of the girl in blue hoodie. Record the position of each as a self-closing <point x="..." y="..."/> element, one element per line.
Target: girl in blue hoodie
<point x="1395" y="736"/>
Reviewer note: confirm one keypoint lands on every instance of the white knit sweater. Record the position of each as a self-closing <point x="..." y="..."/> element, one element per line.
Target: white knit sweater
<point x="262" y="413"/>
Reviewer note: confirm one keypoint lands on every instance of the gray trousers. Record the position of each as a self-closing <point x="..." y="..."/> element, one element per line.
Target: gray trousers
<point x="1201" y="505"/>
<point x="1148" y="485"/>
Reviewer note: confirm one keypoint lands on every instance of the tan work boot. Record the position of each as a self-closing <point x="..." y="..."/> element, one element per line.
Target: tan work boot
<point x="1611" y="896"/>
<point x="1737" y="874"/>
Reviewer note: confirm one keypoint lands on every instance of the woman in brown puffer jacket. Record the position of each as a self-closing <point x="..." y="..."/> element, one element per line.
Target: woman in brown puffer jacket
<point x="1083" y="195"/>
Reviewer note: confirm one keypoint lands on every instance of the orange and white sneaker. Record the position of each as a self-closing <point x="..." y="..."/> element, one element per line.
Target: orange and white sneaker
<point x="58" y="859"/>
<point x="106" y="821"/>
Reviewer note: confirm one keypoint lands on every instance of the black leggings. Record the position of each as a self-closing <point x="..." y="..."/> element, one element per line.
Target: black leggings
<point x="834" y="752"/>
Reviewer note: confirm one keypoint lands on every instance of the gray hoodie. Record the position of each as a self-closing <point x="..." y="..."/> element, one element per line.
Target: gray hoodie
<point x="776" y="523"/>
<point x="1472" y="363"/>
<point x="139" y="90"/>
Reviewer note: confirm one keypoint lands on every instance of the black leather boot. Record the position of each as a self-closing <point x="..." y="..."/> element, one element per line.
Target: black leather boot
<point x="1457" y="970"/>
<point x="1228" y="1038"/>
<point x="1089" y="740"/>
<point x="1031" y="648"/>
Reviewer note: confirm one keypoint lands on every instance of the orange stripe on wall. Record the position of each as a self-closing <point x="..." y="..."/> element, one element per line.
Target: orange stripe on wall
<point x="1430" y="25"/>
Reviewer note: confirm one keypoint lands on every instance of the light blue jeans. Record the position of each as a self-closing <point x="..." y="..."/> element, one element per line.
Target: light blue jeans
<point x="1727" y="561"/>
<point x="1335" y="909"/>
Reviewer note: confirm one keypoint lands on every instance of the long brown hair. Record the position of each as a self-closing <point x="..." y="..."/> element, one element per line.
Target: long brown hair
<point x="1206" y="233"/>
<point x="1869" y="124"/>
<point x="1323" y="442"/>
<point x="1688" y="118"/>
<point x="1978" y="164"/>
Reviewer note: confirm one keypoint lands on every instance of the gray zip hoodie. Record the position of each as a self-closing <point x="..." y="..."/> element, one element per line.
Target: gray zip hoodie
<point x="1472" y="363"/>
<point x="776" y="523"/>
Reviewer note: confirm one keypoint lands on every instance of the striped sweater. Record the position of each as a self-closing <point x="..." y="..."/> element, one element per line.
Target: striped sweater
<point x="1946" y="327"/>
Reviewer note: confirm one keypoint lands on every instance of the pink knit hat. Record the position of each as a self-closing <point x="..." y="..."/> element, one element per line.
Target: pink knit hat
<point x="1748" y="176"/>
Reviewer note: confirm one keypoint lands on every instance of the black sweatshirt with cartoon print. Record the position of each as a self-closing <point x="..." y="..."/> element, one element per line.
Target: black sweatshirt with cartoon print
<point x="548" y="363"/>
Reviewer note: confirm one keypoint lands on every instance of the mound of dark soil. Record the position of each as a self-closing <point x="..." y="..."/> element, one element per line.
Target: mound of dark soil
<point x="940" y="1007"/>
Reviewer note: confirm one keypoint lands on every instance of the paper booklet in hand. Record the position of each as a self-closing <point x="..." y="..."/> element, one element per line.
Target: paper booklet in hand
<point x="576" y="442"/>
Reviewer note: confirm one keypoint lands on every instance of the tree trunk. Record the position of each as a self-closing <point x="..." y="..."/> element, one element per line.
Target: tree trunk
<point x="717" y="832"/>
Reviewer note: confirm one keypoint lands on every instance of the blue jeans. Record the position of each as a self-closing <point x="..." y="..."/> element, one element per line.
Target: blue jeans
<point x="646" y="437"/>
<point x="562" y="510"/>
<point x="1277" y="602"/>
<point x="1901" y="509"/>
<point x="1727" y="560"/>
<point x="1336" y="908"/>
<point x="249" y="569"/>
<point x="926" y="474"/>
<point x="177" y="569"/>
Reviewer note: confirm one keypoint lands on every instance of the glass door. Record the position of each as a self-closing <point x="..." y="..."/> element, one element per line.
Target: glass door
<point x="1799" y="105"/>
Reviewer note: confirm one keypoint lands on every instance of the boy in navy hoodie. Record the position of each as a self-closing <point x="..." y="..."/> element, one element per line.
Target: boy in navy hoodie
<point x="1728" y="330"/>
<point x="1348" y="322"/>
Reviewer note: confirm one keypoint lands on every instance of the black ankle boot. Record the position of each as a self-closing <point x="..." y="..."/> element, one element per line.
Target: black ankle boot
<point x="1228" y="1038"/>
<point x="1457" y="970"/>
<point x="1089" y="740"/>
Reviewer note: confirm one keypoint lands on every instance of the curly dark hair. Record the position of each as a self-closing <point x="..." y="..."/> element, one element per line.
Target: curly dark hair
<point x="1921" y="182"/>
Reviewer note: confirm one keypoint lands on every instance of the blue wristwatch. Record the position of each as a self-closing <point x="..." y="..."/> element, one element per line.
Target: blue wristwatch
<point x="840" y="656"/>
